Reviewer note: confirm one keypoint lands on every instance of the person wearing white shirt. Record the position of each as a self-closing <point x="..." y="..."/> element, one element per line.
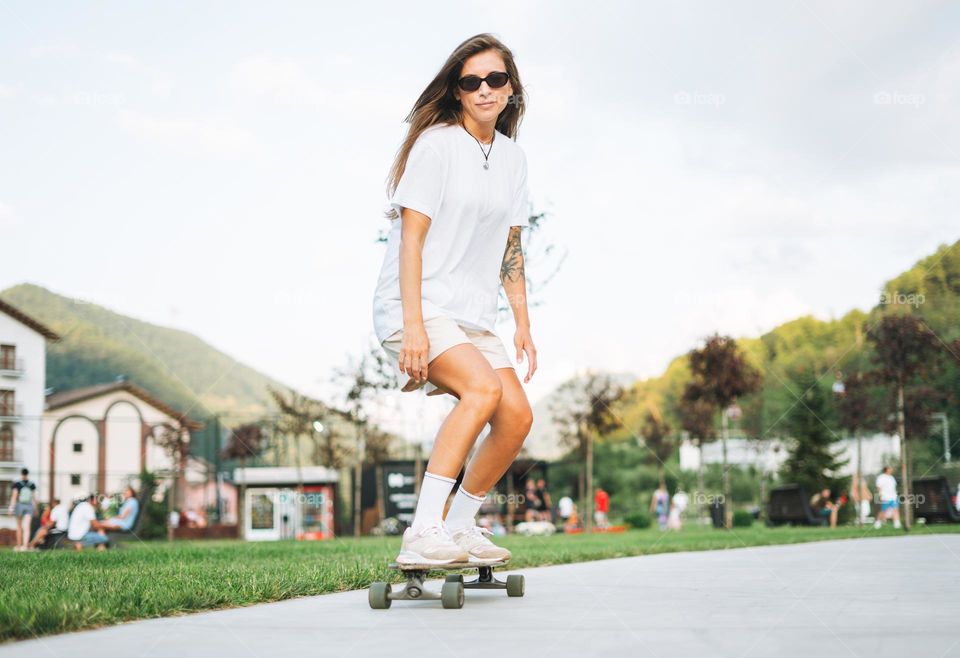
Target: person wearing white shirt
<point x="56" y="524"/>
<point x="80" y="527"/>
<point x="458" y="203"/>
<point x="889" y="502"/>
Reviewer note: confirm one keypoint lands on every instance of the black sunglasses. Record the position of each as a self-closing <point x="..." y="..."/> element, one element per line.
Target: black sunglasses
<point x="496" y="80"/>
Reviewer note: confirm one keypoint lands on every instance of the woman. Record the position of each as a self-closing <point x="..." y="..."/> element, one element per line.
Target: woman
<point x="458" y="203"/>
<point x="660" y="505"/>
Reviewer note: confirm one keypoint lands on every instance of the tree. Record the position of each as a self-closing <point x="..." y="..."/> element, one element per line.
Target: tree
<point x="811" y="461"/>
<point x="658" y="440"/>
<point x="582" y="411"/>
<point x="856" y="412"/>
<point x="721" y="374"/>
<point x="905" y="349"/>
<point x="362" y="382"/>
<point x="698" y="418"/>
<point x="245" y="442"/>
<point x="299" y="418"/>
<point x="174" y="441"/>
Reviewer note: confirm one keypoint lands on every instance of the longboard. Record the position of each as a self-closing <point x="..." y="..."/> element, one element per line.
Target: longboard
<point x="381" y="594"/>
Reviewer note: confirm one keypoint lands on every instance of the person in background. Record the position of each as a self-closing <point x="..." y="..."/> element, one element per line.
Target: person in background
<point x="825" y="507"/>
<point x="660" y="505"/>
<point x="23" y="507"/>
<point x="80" y="528"/>
<point x="532" y="502"/>
<point x="861" y="495"/>
<point x="572" y="523"/>
<point x="125" y="518"/>
<point x="678" y="504"/>
<point x="889" y="504"/>
<point x="54" y="522"/>
<point x="565" y="508"/>
<point x="601" y="501"/>
<point x="544" y="503"/>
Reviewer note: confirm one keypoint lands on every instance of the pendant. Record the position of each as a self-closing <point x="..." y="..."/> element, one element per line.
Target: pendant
<point x="486" y="165"/>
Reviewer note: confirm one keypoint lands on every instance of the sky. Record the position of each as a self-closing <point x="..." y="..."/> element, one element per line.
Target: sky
<point x="219" y="167"/>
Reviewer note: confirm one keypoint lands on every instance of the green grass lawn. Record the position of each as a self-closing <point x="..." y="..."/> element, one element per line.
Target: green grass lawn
<point x="57" y="591"/>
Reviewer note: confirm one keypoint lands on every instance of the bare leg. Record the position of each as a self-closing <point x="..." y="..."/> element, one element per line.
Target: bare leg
<point x="509" y="426"/>
<point x="39" y="537"/>
<point x="465" y="372"/>
<point x="27" y="522"/>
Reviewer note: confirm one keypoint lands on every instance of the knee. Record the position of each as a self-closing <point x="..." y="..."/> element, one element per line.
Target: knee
<point x="485" y="393"/>
<point x="516" y="421"/>
<point x="524" y="420"/>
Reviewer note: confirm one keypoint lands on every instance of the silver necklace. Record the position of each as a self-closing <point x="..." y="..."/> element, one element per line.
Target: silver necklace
<point x="486" y="154"/>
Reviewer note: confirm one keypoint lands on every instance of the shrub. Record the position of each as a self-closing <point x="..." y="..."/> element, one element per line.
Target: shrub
<point x="742" y="519"/>
<point x="638" y="520"/>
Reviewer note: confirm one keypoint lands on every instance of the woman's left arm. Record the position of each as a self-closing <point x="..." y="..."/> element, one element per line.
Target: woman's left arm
<point x="515" y="286"/>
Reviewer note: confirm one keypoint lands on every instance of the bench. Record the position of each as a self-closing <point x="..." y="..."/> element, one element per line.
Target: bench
<point x="790" y="504"/>
<point x="934" y="501"/>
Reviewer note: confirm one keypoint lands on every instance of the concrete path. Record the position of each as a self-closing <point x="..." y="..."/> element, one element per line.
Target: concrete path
<point x="896" y="596"/>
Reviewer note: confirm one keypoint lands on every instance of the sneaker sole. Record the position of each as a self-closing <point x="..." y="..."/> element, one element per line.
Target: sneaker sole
<point x="487" y="560"/>
<point x="409" y="557"/>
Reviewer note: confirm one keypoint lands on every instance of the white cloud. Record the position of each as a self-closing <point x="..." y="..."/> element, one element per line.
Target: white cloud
<point x="213" y="134"/>
<point x="8" y="220"/>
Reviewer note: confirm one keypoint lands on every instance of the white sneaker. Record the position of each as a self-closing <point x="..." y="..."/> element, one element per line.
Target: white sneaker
<point x="473" y="540"/>
<point x="432" y="544"/>
<point x="896" y="525"/>
<point x="878" y="525"/>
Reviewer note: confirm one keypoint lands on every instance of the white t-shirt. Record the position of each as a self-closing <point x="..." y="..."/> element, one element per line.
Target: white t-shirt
<point x="887" y="486"/>
<point x="681" y="500"/>
<point x="566" y="506"/>
<point x="80" y="520"/>
<point x="471" y="210"/>
<point x="60" y="517"/>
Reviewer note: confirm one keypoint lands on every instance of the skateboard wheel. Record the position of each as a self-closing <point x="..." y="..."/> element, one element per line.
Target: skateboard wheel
<point x="379" y="596"/>
<point x="451" y="595"/>
<point x="515" y="585"/>
<point x="454" y="578"/>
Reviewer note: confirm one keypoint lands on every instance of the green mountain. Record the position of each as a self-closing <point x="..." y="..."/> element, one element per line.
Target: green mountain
<point x="98" y="345"/>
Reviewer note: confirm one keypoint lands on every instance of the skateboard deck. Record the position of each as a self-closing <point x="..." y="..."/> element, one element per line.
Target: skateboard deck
<point x="381" y="594"/>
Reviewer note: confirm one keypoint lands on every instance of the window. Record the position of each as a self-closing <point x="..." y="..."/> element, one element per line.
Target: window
<point x="75" y="479"/>
<point x="6" y="444"/>
<point x="78" y="447"/>
<point x="8" y="357"/>
<point x="6" y="402"/>
<point x="6" y="487"/>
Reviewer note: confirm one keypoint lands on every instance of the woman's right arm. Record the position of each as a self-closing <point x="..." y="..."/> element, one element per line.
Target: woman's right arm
<point x="415" y="346"/>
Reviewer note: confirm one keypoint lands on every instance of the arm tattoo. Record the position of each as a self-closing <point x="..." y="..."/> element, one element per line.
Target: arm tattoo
<point x="512" y="267"/>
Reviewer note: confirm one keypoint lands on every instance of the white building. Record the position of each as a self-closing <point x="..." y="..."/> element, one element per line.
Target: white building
<point x="23" y="365"/>
<point x="769" y="455"/>
<point x="99" y="438"/>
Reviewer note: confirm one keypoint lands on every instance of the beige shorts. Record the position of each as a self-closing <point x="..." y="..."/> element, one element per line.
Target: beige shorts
<point x="443" y="333"/>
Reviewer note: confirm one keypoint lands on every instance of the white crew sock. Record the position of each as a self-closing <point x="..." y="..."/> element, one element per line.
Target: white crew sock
<point x="463" y="510"/>
<point x="434" y="491"/>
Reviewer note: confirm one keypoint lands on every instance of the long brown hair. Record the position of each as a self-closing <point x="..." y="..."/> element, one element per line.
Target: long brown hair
<point x="437" y="104"/>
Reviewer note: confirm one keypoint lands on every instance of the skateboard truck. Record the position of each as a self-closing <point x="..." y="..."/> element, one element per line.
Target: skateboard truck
<point x="381" y="594"/>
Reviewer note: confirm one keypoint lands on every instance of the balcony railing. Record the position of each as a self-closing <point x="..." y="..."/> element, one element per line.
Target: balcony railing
<point x="11" y="367"/>
<point x="14" y="456"/>
<point x="10" y="412"/>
